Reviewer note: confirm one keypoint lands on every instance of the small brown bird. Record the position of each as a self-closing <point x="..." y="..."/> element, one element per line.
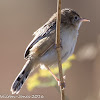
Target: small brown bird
<point x="42" y="50"/>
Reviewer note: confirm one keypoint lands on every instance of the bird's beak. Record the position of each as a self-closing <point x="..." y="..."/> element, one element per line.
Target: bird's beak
<point x="84" y="20"/>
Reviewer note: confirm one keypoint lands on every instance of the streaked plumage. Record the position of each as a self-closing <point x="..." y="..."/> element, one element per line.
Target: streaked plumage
<point x="42" y="50"/>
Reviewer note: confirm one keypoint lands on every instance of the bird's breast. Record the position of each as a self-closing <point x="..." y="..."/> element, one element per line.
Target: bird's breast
<point x="68" y="41"/>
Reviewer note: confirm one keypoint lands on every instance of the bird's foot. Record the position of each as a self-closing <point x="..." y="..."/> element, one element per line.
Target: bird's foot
<point x="62" y="84"/>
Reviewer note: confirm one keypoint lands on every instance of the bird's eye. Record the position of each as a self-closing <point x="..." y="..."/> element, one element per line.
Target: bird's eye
<point x="76" y="18"/>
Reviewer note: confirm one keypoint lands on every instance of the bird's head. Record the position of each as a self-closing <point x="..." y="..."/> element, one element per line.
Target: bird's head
<point x="70" y="18"/>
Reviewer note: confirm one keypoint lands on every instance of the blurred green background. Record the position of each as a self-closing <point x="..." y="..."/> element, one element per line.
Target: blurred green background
<point x="20" y="18"/>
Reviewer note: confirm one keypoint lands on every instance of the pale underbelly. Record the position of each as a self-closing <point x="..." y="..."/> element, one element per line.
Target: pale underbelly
<point x="50" y="57"/>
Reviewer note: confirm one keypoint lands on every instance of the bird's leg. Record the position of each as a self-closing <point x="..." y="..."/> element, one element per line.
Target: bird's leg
<point x="59" y="82"/>
<point x="60" y="44"/>
<point x="52" y="74"/>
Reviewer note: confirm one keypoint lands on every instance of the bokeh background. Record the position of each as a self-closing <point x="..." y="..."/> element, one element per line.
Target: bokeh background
<point x="20" y="18"/>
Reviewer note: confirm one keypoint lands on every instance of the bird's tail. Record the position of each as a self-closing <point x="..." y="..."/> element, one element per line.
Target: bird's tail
<point x="22" y="76"/>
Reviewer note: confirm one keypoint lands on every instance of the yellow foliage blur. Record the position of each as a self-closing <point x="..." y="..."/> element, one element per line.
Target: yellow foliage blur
<point x="34" y="80"/>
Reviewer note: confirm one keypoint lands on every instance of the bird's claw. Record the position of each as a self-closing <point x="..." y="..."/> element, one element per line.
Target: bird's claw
<point x="62" y="84"/>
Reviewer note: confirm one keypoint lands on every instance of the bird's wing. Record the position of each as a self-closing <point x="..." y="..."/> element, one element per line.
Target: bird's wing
<point x="43" y="39"/>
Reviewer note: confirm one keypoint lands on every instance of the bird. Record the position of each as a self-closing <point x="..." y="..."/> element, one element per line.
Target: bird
<point x="42" y="49"/>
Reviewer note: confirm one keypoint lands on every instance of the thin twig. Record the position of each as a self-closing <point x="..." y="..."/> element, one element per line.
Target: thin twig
<point x="58" y="48"/>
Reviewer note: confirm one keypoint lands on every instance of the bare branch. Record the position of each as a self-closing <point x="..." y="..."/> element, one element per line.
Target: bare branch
<point x="58" y="48"/>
